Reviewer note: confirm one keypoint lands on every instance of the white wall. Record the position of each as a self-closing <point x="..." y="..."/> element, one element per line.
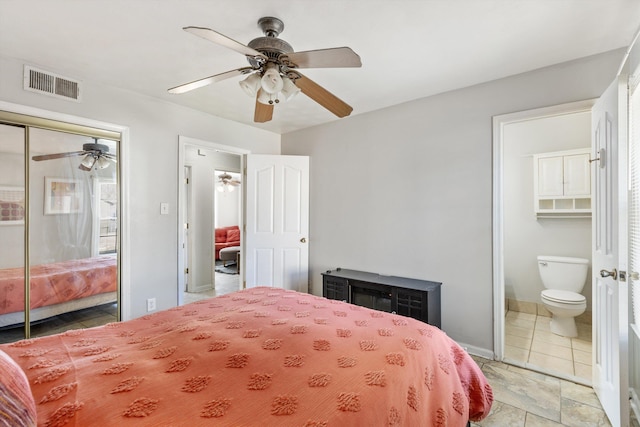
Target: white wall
<point x="407" y="190"/>
<point x="228" y="207"/>
<point x="525" y="236"/>
<point x="151" y="154"/>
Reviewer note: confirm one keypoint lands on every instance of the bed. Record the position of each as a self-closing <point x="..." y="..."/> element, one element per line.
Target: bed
<point x="257" y="357"/>
<point x="57" y="288"/>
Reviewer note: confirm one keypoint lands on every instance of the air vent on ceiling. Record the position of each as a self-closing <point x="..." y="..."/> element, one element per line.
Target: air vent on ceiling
<point x="49" y="83"/>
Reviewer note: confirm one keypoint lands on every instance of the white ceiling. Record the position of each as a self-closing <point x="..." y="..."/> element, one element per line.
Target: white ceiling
<point x="409" y="48"/>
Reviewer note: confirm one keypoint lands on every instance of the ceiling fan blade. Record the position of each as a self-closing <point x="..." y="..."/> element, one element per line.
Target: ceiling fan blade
<point x="57" y="155"/>
<point x="338" y="57"/>
<point x="263" y="112"/>
<point x="209" y="80"/>
<point x="323" y="96"/>
<point x="216" y="37"/>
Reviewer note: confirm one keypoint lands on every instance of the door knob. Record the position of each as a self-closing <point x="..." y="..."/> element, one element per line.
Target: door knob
<point x="606" y="273"/>
<point x="303" y="240"/>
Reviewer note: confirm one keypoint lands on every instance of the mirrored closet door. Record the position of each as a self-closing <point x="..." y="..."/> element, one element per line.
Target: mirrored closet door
<point x="59" y="227"/>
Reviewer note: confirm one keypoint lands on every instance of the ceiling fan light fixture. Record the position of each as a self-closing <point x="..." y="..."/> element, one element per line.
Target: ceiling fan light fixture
<point x="271" y="81"/>
<point x="102" y="162"/>
<point x="87" y="163"/>
<point x="289" y="89"/>
<point x="267" y="98"/>
<point x="251" y="84"/>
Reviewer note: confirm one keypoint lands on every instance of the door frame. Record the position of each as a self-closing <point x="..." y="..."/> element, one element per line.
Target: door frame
<point x="499" y="122"/>
<point x="186" y="212"/>
<point x="183" y="141"/>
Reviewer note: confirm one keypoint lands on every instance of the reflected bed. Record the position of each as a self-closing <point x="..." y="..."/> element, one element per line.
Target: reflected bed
<point x="57" y="288"/>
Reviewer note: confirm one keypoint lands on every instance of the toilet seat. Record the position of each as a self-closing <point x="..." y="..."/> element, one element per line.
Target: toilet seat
<point x="563" y="297"/>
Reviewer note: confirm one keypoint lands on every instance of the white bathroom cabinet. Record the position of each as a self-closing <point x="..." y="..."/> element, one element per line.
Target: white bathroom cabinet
<point x="562" y="183"/>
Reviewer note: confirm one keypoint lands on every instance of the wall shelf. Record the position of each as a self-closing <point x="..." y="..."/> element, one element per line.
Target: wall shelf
<point x="562" y="184"/>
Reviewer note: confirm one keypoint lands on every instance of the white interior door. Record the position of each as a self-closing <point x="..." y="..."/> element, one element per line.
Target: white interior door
<point x="610" y="293"/>
<point x="277" y="227"/>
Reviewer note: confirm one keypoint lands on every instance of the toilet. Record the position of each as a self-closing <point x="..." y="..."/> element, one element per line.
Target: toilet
<point x="563" y="279"/>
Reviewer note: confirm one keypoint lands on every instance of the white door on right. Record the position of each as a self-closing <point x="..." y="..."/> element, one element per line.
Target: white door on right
<point x="277" y="227"/>
<point x="610" y="294"/>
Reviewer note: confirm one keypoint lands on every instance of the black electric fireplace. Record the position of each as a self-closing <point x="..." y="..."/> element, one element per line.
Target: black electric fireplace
<point x="419" y="299"/>
<point x="371" y="298"/>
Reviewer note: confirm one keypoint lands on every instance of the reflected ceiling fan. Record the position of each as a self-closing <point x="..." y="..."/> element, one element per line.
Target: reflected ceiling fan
<point x="226" y="182"/>
<point x="273" y="74"/>
<point x="95" y="155"/>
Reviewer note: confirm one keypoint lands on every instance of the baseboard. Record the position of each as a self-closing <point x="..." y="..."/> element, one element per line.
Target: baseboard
<point x="477" y="351"/>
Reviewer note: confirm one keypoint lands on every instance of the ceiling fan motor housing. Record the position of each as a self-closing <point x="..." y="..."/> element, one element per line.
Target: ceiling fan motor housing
<point x="101" y="148"/>
<point x="269" y="45"/>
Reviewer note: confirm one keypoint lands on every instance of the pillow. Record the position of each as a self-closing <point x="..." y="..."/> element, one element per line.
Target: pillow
<point x="233" y="235"/>
<point x="18" y="406"/>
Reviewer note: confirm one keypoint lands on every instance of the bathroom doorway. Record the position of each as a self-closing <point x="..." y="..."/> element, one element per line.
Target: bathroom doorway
<point x="521" y="234"/>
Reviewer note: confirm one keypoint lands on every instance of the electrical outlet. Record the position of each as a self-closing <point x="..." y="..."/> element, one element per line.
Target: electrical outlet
<point x="151" y="304"/>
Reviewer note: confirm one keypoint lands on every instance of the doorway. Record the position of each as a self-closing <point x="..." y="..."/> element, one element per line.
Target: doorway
<point x="227" y="218"/>
<point x="199" y="199"/>
<point x="522" y="335"/>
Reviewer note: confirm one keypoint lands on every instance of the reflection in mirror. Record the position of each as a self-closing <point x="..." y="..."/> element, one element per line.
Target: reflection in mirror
<point x="73" y="231"/>
<point x="12" y="233"/>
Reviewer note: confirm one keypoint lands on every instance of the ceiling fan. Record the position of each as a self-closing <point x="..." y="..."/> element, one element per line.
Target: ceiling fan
<point x="226" y="182"/>
<point x="273" y="74"/>
<point x="95" y="155"/>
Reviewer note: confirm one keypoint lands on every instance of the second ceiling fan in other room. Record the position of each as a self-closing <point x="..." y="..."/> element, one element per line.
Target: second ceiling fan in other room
<point x="273" y="74"/>
<point x="227" y="182"/>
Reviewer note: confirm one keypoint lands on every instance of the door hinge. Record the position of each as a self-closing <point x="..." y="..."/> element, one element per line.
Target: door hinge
<point x="186" y="271"/>
<point x="186" y="180"/>
<point x="186" y="225"/>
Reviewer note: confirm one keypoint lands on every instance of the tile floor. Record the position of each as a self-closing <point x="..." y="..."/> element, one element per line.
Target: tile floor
<point x="529" y="341"/>
<point x="526" y="398"/>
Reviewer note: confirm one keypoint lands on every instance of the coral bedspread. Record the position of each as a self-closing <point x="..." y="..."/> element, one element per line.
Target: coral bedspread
<point x="258" y="357"/>
<point x="58" y="282"/>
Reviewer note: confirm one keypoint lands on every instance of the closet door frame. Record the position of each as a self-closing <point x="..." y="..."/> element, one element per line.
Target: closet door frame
<point x="29" y="117"/>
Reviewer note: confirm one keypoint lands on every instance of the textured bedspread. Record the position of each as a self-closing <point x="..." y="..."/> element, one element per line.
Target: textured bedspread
<point x="58" y="282"/>
<point x="259" y="357"/>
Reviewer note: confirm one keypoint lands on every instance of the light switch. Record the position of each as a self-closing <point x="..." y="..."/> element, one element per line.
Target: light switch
<point x="164" y="208"/>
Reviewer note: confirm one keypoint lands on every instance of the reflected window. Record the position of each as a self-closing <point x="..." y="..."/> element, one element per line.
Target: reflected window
<point x="107" y="202"/>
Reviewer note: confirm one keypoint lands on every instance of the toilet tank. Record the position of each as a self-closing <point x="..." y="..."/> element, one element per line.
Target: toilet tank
<point x="566" y="273"/>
